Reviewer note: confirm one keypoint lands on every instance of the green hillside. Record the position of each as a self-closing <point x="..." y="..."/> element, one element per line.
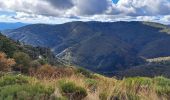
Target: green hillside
<point x="11" y="47"/>
<point x="23" y="76"/>
<point x="102" y="47"/>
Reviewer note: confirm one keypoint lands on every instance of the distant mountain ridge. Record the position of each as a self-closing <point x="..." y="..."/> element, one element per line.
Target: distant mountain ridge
<point x="7" y="26"/>
<point x="99" y="46"/>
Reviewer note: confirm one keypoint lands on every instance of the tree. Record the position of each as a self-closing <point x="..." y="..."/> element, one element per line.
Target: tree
<point x="5" y="63"/>
<point x="23" y="61"/>
<point x="35" y="64"/>
<point x="7" y="46"/>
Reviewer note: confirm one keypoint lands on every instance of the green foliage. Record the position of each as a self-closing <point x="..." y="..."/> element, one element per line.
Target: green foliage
<point x="7" y="46"/>
<point x="42" y="61"/>
<point x="13" y="79"/>
<point x="138" y="81"/>
<point x="162" y="85"/>
<point x="72" y="91"/>
<point x="35" y="64"/>
<point x="20" y="88"/>
<point x="133" y="88"/>
<point x="84" y="72"/>
<point x="25" y="91"/>
<point x="23" y="61"/>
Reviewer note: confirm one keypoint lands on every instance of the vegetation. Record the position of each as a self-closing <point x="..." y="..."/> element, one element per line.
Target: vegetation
<point x="18" y="87"/>
<point x="5" y="63"/>
<point x="23" y="61"/>
<point x="99" y="46"/>
<point x="7" y="46"/>
<point x="47" y="82"/>
<point x="72" y="91"/>
<point x="43" y="55"/>
<point x="44" y="81"/>
<point x="76" y="87"/>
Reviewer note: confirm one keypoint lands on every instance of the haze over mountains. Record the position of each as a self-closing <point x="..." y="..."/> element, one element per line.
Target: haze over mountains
<point x="99" y="46"/>
<point x="5" y="25"/>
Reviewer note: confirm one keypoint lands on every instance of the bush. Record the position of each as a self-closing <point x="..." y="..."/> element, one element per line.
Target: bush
<point x="162" y="85"/>
<point x="35" y="64"/>
<point x="43" y="61"/>
<point x="12" y="80"/>
<point x="23" y="61"/>
<point x="84" y="72"/>
<point x="72" y="91"/>
<point x="21" y="88"/>
<point x="138" y="82"/>
<point x="25" y="92"/>
<point x="5" y="63"/>
<point x="46" y="71"/>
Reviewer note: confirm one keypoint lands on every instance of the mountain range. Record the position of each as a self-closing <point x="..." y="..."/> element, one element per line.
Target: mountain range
<point x="103" y="47"/>
<point x="7" y="26"/>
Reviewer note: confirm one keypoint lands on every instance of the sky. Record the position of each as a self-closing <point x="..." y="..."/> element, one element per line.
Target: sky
<point x="61" y="11"/>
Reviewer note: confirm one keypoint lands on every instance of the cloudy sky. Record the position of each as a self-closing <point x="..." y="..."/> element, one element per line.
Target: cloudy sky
<point x="60" y="11"/>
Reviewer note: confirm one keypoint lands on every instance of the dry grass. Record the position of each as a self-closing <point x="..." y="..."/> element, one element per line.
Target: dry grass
<point x="138" y="88"/>
<point x="103" y="88"/>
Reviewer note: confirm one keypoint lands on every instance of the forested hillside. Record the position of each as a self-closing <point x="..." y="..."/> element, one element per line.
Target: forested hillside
<point x="26" y="73"/>
<point x="102" y="47"/>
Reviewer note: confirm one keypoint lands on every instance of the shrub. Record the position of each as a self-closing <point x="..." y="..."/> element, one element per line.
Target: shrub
<point x="11" y="80"/>
<point x="18" y="87"/>
<point x="72" y="91"/>
<point x="43" y="61"/>
<point x="46" y="71"/>
<point x="25" y="92"/>
<point x="84" y="72"/>
<point x="133" y="88"/>
<point x="162" y="85"/>
<point x="35" y="64"/>
<point x="138" y="83"/>
<point x="23" y="61"/>
<point x="5" y="63"/>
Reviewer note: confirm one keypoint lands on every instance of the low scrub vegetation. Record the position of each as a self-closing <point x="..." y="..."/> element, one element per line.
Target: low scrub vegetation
<point x="72" y="91"/>
<point x="20" y="87"/>
<point x="38" y="81"/>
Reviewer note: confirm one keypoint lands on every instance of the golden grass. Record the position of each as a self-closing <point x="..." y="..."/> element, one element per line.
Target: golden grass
<point x="104" y="88"/>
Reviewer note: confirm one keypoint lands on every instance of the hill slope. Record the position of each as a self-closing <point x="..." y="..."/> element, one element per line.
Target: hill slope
<point x="101" y="47"/>
<point x="10" y="47"/>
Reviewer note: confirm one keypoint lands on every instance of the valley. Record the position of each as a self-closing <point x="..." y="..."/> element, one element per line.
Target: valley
<point x="103" y="47"/>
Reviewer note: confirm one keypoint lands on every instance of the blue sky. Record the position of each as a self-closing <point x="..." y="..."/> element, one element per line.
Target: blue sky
<point x="60" y="11"/>
<point x="115" y="1"/>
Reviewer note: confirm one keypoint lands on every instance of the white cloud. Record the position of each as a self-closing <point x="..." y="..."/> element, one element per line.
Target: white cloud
<point x="143" y="7"/>
<point x="100" y="10"/>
